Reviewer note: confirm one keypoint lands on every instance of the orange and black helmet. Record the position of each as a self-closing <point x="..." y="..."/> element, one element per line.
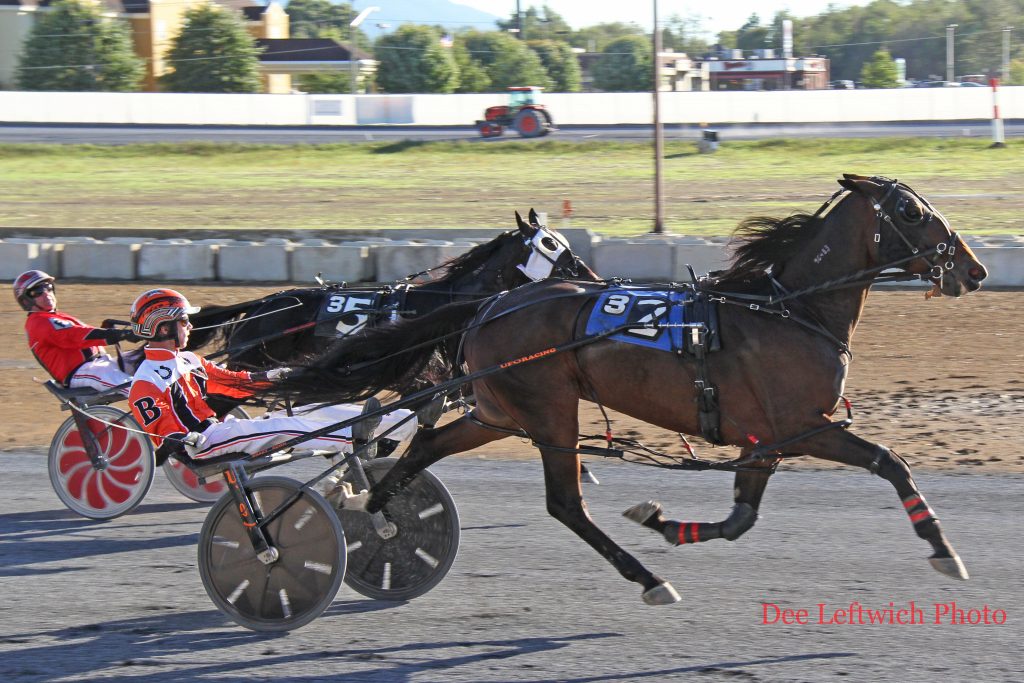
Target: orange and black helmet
<point x="158" y="306"/>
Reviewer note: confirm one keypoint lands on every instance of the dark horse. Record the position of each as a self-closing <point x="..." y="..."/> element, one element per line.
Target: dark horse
<point x="288" y="325"/>
<point x="777" y="377"/>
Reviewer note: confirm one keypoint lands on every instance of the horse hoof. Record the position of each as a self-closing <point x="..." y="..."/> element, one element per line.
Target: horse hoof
<point x="950" y="566"/>
<point x="641" y="512"/>
<point x="662" y="594"/>
<point x="341" y="496"/>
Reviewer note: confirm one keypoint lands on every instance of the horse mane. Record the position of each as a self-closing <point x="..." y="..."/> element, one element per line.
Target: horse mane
<point x="475" y="258"/>
<point x="763" y="242"/>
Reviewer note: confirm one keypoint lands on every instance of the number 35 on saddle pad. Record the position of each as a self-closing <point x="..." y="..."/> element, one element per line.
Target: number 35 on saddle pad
<point x="663" y="318"/>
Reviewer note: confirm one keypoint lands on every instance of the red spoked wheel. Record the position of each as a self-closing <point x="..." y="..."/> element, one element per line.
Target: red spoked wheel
<point x="187" y="483"/>
<point x="117" y="486"/>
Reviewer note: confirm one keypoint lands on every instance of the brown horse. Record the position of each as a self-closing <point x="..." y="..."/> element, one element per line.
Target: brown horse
<point x="774" y="383"/>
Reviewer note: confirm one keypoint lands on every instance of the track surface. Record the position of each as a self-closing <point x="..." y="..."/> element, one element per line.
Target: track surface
<point x="526" y="600"/>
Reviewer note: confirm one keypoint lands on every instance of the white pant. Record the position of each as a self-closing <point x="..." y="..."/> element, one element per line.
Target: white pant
<point x="252" y="436"/>
<point x="100" y="373"/>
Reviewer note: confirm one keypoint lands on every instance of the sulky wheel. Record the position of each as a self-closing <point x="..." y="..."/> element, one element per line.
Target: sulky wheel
<point x="187" y="483"/>
<point x="118" y="484"/>
<point x="423" y="548"/>
<point x="299" y="585"/>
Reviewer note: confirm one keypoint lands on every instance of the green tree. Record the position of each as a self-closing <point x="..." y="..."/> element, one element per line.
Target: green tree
<point x="752" y="35"/>
<point x="545" y="24"/>
<point x="326" y="82"/>
<point x="880" y="72"/>
<point x="1016" y="72"/>
<point x="412" y="60"/>
<point x="213" y="53"/>
<point x="73" y="48"/>
<point x="558" y="59"/>
<point x="625" y="66"/>
<point x="506" y="60"/>
<point x="472" y="74"/>
<point x="596" y="38"/>
<point x="684" y="34"/>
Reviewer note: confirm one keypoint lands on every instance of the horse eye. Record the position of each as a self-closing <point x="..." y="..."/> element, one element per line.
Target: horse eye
<point x="549" y="243"/>
<point x="911" y="212"/>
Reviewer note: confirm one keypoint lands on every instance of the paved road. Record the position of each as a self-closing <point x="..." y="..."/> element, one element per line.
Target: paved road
<point x="526" y="600"/>
<point x="120" y="135"/>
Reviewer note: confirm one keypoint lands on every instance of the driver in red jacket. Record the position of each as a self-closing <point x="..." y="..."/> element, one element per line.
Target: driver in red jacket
<point x="72" y="352"/>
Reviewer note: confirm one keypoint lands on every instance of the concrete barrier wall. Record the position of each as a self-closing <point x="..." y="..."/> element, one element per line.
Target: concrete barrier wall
<point x="792" y="106"/>
<point x="642" y="259"/>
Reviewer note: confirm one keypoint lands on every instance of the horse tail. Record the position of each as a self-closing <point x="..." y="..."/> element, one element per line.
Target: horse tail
<point x="392" y="357"/>
<point x="208" y="321"/>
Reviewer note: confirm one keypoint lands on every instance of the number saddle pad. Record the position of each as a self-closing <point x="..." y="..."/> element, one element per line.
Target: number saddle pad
<point x="646" y="308"/>
<point x="344" y="311"/>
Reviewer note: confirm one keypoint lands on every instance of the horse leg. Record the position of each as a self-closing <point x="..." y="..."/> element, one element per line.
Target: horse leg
<point x="747" y="492"/>
<point x="842" y="446"/>
<point x="565" y="503"/>
<point x="426" y="448"/>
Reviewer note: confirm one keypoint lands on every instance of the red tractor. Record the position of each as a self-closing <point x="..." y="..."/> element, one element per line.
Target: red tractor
<point x="530" y="120"/>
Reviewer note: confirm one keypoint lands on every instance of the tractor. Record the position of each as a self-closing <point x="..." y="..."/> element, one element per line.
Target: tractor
<point x="529" y="119"/>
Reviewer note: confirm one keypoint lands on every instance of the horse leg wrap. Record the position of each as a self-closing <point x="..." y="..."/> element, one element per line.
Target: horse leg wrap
<point x="921" y="515"/>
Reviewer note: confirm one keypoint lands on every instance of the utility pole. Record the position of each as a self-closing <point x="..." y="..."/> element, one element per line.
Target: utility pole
<point x="519" y="22"/>
<point x="949" y="51"/>
<point x="353" y="62"/>
<point x="1006" y="53"/>
<point x="659" y="137"/>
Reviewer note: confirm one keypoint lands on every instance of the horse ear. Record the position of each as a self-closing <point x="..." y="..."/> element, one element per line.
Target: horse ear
<point x="534" y="218"/>
<point x="524" y="227"/>
<point x="858" y="183"/>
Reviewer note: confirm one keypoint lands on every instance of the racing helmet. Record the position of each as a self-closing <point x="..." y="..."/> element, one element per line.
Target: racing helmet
<point x="158" y="306"/>
<point x="27" y="281"/>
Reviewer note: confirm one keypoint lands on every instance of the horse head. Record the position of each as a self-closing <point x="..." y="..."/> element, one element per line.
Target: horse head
<point x="548" y="253"/>
<point x="912" y="235"/>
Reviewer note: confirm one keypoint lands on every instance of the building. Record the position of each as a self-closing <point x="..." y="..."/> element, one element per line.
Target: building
<point x="764" y="71"/>
<point x="155" y="23"/>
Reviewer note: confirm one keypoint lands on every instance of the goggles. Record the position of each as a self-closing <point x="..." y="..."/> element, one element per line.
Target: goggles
<point x="39" y="289"/>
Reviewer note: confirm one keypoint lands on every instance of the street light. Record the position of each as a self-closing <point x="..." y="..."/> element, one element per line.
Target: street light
<point x="1006" y="53"/>
<point x="353" y="62"/>
<point x="949" y="52"/>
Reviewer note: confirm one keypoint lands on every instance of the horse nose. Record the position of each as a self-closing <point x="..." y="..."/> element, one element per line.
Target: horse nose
<point x="978" y="273"/>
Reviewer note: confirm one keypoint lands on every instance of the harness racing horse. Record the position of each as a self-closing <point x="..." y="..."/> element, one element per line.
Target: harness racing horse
<point x="776" y="380"/>
<point x="291" y="324"/>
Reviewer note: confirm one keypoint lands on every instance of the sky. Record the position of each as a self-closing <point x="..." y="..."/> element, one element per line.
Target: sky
<point x="724" y="15"/>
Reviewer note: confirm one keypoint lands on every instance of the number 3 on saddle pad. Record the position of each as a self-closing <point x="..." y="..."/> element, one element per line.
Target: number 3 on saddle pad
<point x="646" y="309"/>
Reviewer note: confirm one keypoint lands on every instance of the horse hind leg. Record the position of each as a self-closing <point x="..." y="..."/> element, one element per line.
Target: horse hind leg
<point x="847" y="448"/>
<point x="565" y="503"/>
<point x="747" y="492"/>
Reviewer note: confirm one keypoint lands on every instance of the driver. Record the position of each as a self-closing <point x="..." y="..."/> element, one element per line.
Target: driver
<point x="169" y="390"/>
<point x="71" y="351"/>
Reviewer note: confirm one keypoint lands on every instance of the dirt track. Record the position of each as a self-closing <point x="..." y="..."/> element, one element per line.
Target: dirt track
<point x="941" y="381"/>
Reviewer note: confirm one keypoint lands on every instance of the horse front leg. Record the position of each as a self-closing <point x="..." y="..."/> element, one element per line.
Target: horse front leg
<point x="849" y="449"/>
<point x="747" y="492"/>
<point x="565" y="503"/>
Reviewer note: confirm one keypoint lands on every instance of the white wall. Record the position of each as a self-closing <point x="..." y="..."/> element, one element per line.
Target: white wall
<point x="794" y="106"/>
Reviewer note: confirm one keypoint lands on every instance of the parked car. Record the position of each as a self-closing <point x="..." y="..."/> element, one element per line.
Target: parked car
<point x="842" y="85"/>
<point x="937" y="84"/>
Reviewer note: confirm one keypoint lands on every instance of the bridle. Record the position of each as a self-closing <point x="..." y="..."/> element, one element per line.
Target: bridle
<point x="547" y="249"/>
<point x="939" y="258"/>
